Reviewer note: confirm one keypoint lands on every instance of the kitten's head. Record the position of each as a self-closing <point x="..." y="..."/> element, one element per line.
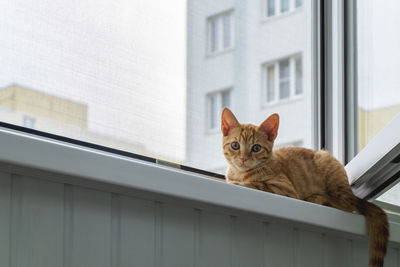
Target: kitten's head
<point x="247" y="146"/>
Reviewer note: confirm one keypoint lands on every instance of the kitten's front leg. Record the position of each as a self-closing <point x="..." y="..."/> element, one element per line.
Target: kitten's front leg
<point x="249" y="185"/>
<point x="283" y="186"/>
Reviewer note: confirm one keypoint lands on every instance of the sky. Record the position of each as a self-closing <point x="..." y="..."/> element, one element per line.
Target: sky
<point x="124" y="59"/>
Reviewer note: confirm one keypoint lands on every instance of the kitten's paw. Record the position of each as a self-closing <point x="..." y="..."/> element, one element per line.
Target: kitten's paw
<point x="244" y="184"/>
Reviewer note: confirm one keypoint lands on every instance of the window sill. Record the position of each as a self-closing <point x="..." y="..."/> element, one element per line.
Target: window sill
<point x="282" y="102"/>
<point x="281" y="16"/>
<point x="219" y="53"/>
<point x="22" y="149"/>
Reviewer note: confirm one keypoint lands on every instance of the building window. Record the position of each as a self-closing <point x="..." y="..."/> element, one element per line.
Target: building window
<point x="212" y="106"/>
<point x="278" y="7"/>
<point x="270" y="8"/>
<point x="284" y="6"/>
<point x="226" y="99"/>
<point x="216" y="101"/>
<point x="28" y="122"/>
<point x="227" y="31"/>
<point x="213" y="35"/>
<point x="299" y="75"/>
<point x="271" y="83"/>
<point x="284" y="79"/>
<point x="220" y="32"/>
<point x="143" y="88"/>
<point x="289" y="74"/>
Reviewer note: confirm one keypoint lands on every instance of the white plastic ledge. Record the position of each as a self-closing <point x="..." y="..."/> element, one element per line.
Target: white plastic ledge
<point x="40" y="153"/>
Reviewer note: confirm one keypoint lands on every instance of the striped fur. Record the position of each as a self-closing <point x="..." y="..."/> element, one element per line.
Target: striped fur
<point x="314" y="176"/>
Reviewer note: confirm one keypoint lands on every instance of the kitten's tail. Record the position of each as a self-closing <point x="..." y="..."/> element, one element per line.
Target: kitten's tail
<point x="378" y="231"/>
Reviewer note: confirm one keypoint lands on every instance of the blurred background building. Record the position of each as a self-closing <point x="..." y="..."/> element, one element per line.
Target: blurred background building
<point x="41" y="111"/>
<point x="253" y="57"/>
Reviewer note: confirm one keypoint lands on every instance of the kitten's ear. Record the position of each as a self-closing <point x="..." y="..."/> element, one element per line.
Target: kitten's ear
<point x="270" y="126"/>
<point x="228" y="121"/>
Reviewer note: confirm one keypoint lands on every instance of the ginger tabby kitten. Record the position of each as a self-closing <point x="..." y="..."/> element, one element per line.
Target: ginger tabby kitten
<point x="314" y="176"/>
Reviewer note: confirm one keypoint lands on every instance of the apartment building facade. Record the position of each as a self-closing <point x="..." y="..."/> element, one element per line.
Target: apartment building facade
<point x="253" y="57"/>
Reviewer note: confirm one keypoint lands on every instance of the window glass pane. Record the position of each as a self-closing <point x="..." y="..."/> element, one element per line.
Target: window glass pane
<point x="299" y="3"/>
<point x="138" y="75"/>
<point x="214" y="34"/>
<point x="284" y="89"/>
<point x="284" y="6"/>
<point x="378" y="65"/>
<point x="106" y="72"/>
<point x="270" y="8"/>
<point x="227" y="30"/>
<point x="226" y="99"/>
<point x="284" y="79"/>
<point x="271" y="83"/>
<point x="299" y="76"/>
<point x="284" y="69"/>
<point x="213" y="108"/>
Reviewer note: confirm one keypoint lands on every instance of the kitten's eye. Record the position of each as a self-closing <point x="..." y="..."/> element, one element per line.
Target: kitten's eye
<point x="235" y="146"/>
<point x="256" y="148"/>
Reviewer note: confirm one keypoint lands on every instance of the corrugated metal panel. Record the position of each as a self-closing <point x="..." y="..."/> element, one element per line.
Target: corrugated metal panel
<point x="215" y="239"/>
<point x="247" y="242"/>
<point x="180" y="240"/>
<point x="280" y="245"/>
<point x="48" y="224"/>
<point x="139" y="232"/>
<point x="5" y="206"/>
<point x="392" y="258"/>
<point x="359" y="253"/>
<point x="91" y="228"/>
<point x="36" y="222"/>
<point x="336" y="251"/>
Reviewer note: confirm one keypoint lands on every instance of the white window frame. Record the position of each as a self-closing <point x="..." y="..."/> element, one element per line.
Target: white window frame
<point x="373" y="170"/>
<point x="219" y="19"/>
<point x="292" y="80"/>
<point x="377" y="163"/>
<point x="278" y="6"/>
<point x="218" y="95"/>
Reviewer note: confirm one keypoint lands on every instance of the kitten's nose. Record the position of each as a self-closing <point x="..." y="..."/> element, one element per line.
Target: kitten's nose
<point x="243" y="159"/>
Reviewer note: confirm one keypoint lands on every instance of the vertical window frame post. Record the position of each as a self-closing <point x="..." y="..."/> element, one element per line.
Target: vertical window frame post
<point x="330" y="77"/>
<point x="350" y="72"/>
